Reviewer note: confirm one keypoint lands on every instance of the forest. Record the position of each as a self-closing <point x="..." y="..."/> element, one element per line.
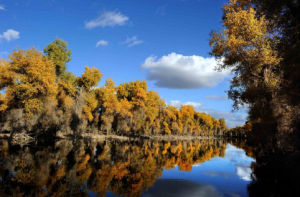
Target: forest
<point x="259" y="42"/>
<point x="40" y="97"/>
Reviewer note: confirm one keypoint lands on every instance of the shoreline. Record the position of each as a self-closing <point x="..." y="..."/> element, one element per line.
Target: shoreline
<point x="143" y="137"/>
<point x="125" y="138"/>
<point x="4" y="135"/>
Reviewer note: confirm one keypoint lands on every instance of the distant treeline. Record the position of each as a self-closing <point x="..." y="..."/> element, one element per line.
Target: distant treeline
<point x="38" y="96"/>
<point x="240" y="132"/>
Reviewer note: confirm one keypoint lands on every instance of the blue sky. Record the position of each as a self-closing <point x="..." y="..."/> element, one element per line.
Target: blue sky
<point x="162" y="41"/>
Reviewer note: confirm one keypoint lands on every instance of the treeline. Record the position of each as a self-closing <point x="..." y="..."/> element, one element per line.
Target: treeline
<point x="240" y="132"/>
<point x="38" y="96"/>
<point x="77" y="168"/>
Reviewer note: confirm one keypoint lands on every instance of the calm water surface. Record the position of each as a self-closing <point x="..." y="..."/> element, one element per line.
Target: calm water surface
<point x="114" y="168"/>
<point x="220" y="176"/>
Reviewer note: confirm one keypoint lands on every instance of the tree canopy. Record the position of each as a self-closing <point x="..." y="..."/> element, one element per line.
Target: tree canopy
<point x="58" y="52"/>
<point x="259" y="42"/>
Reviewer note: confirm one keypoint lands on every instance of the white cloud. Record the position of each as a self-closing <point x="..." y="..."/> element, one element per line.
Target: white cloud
<point x="107" y="19"/>
<point x="130" y="42"/>
<point x="2" y="7"/>
<point x="102" y="43"/>
<point x="178" y="103"/>
<point x="216" y="98"/>
<point x="177" y="71"/>
<point x="10" y="35"/>
<point x="244" y="172"/>
<point x="194" y="104"/>
<point x="232" y="119"/>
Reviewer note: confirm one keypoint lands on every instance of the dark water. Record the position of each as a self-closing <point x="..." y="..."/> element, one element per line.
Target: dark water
<point x="123" y="168"/>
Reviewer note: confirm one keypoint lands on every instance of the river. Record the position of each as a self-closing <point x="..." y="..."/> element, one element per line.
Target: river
<point x="124" y="168"/>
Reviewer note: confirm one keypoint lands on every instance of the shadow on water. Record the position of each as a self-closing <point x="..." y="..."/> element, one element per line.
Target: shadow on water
<point x="276" y="171"/>
<point x="84" y="167"/>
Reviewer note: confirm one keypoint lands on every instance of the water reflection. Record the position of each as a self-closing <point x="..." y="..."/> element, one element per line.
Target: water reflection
<point x="223" y="173"/>
<point x="123" y="168"/>
<point x="180" y="187"/>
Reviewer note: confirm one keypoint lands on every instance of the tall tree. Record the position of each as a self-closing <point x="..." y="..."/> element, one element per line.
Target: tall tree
<point x="109" y="104"/>
<point x="88" y="82"/>
<point x="260" y="42"/>
<point x="60" y="55"/>
<point x="29" y="80"/>
<point x="247" y="46"/>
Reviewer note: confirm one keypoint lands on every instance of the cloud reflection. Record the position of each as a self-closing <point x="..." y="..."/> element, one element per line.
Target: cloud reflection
<point x="244" y="172"/>
<point x="217" y="173"/>
<point x="241" y="162"/>
<point x="178" y="188"/>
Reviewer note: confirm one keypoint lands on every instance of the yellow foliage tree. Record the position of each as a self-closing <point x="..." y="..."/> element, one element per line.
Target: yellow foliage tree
<point x="109" y="104"/>
<point x="124" y="115"/>
<point x="247" y="46"/>
<point x="29" y="79"/>
<point x="154" y="104"/>
<point x="89" y="108"/>
<point x="187" y="113"/>
<point x="90" y="78"/>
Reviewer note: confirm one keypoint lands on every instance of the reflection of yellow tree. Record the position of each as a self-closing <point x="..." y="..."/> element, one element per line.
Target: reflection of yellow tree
<point x="25" y="172"/>
<point x="124" y="168"/>
<point x="83" y="169"/>
<point x="102" y="179"/>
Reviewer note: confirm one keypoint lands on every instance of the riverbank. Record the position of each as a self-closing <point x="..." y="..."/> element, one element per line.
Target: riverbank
<point x="4" y="135"/>
<point x="103" y="137"/>
<point x="154" y="137"/>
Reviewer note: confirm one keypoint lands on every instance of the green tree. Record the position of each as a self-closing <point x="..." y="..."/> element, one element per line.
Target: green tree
<point x="58" y="52"/>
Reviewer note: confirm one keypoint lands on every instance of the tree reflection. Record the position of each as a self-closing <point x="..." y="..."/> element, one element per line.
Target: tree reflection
<point x="72" y="168"/>
<point x="276" y="170"/>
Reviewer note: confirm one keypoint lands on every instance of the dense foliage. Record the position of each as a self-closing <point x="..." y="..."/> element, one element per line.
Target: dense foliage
<point x="38" y="96"/>
<point x="240" y="132"/>
<point x="260" y="43"/>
